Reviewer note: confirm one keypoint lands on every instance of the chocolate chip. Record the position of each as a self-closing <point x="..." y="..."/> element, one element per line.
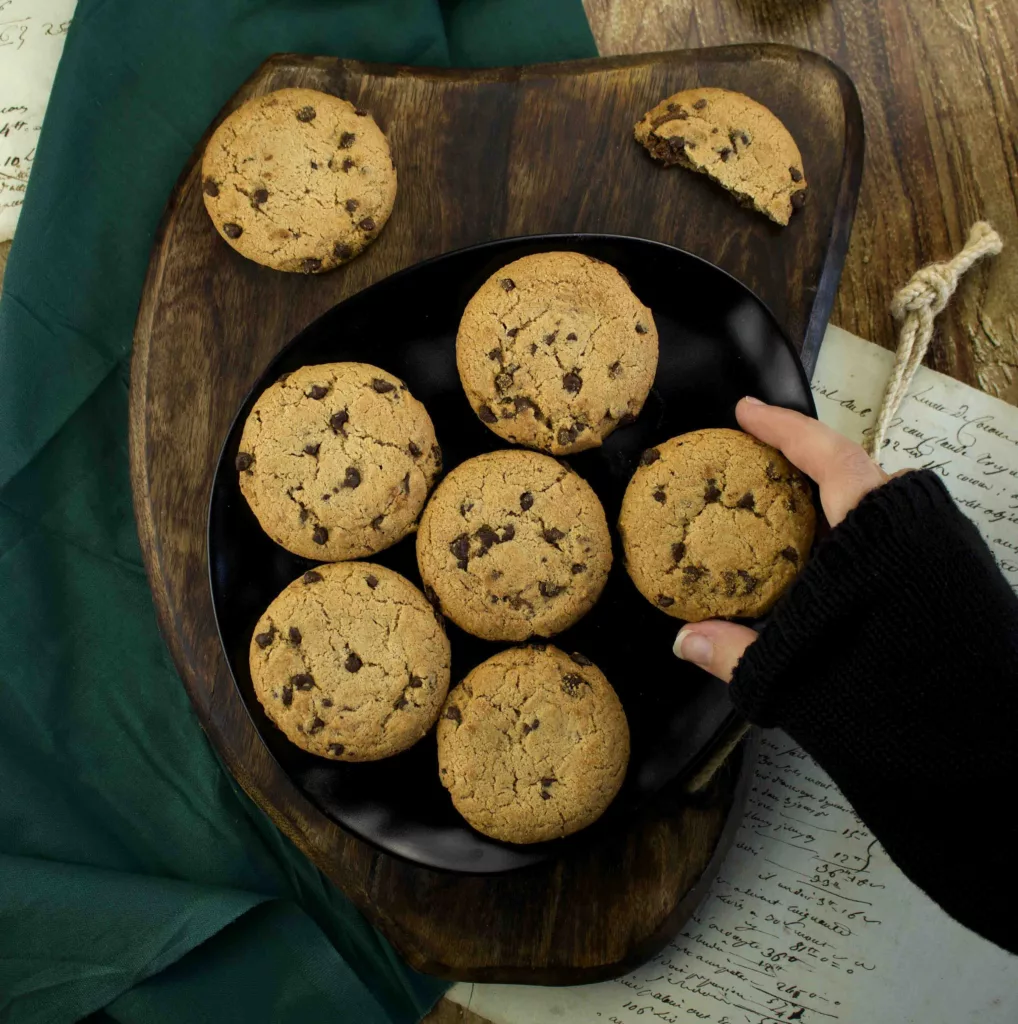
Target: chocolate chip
<point x="453" y="714"/>
<point x="548" y="781"/>
<point x="353" y="662"/>
<point x="640" y="329"/>
<point x="549" y="589"/>
<point x="495" y="355"/>
<point x="730" y="582"/>
<point x="693" y="572"/>
<point x="264" y="639"/>
<point x="400" y="703"/>
<point x="512" y="332"/>
<point x="503" y="381"/>
<point x="549" y="338"/>
<point x="746" y="501"/>
<point x="376" y="523"/>
<point x="314" y="166"/>
<point x="318" y="392"/>
<point x="320" y="535"/>
<point x="507" y="283"/>
<point x="416" y="682"/>
<point x="287" y="695"/>
<point x="210" y="188"/>
<point x="303" y="512"/>
<point x="571" y="336"/>
<point x="553" y="536"/>
<point x="405" y="483"/>
<point x="659" y="495"/>
<point x="342" y="251"/>
<point x="306" y="114"/>
<point x="312" y="577"/>
<point x="346" y="140"/>
<point x="487" y="416"/>
<point x="460" y="548"/>
<point x="294" y="634"/>
<point x="508" y="532"/>
<point x="711" y="493"/>
<point x="665" y="601"/>
<point x="312" y="449"/>
<point x="351" y="205"/>
<point x="415" y="452"/>
<point x="795" y="173"/>
<point x="772" y="473"/>
<point x="572" y="382"/>
<point x="382" y="386"/>
<point x="336" y="749"/>
<point x="650" y="456"/>
<point x="367" y="224"/>
<point x="232" y="230"/>
<point x="302" y="681"/>
<point x="566" y="435"/>
<point x="577" y="568"/>
<point x="311" y="265"/>
<point x="580" y="659"/>
<point x="529" y="727"/>
<point x="488" y="537"/>
<point x="572" y="681"/>
<point x="676" y="144"/>
<point x="359" y="112"/>
<point x="533" y="347"/>
<point x="371" y="581"/>
<point x="749" y="582"/>
<point x="545" y="795"/>
<point x="352" y="478"/>
<point x="744" y="138"/>
<point x="465" y="507"/>
<point x="791" y="555"/>
<point x="244" y="461"/>
<point x="699" y="104"/>
<point x="798" y="199"/>
<point x="347" y="164"/>
<point x="678" y="551"/>
<point x="260" y="196"/>
<point x="317" y="725"/>
<point x="724" y="153"/>
<point x="338" y="421"/>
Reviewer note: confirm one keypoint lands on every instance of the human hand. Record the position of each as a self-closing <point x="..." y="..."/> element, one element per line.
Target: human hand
<point x="843" y="472"/>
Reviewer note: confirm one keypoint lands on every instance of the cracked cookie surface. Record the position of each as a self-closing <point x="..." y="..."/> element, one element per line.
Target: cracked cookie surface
<point x="555" y="351"/>
<point x="533" y="744"/>
<point x="298" y="180"/>
<point x="732" y="139"/>
<point x="336" y="460"/>
<point x="715" y="523"/>
<point x="514" y="544"/>
<point x="351" y="662"/>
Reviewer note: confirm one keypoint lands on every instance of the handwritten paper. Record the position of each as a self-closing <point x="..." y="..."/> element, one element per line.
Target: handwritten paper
<point x="32" y="34"/>
<point x="808" y="919"/>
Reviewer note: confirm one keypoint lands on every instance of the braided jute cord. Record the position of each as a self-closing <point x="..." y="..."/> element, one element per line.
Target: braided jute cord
<point x="917" y="305"/>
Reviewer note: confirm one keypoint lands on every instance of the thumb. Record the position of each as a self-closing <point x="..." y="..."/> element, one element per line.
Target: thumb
<point x="713" y="645"/>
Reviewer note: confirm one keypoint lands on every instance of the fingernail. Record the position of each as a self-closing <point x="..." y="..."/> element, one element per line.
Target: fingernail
<point x="753" y="401"/>
<point x="694" y="647"/>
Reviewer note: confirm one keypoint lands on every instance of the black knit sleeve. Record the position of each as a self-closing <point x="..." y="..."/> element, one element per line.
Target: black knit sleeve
<point x="893" y="661"/>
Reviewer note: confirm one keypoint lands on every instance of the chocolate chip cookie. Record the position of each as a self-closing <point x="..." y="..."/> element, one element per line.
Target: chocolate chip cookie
<point x="336" y="460"/>
<point x="555" y="351"/>
<point x="351" y="662"/>
<point x="732" y="139"/>
<point x="514" y="544"/>
<point x="532" y="745"/>
<point x="715" y="523"/>
<point x="298" y="180"/>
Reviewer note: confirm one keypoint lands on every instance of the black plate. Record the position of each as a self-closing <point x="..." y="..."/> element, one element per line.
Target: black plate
<point x="718" y="343"/>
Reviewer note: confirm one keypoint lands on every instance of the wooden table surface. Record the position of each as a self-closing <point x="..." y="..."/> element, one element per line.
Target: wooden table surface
<point x="938" y="81"/>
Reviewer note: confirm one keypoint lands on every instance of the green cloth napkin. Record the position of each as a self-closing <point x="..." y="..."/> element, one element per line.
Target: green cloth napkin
<point x="137" y="882"/>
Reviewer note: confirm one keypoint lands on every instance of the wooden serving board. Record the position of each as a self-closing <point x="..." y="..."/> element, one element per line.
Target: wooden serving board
<point x="480" y="155"/>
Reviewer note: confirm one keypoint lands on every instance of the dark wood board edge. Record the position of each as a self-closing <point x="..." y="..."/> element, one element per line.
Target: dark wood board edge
<point x="741" y="761"/>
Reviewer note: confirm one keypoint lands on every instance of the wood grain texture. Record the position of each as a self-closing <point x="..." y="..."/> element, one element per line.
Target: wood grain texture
<point x="939" y="91"/>
<point x="480" y="155"/>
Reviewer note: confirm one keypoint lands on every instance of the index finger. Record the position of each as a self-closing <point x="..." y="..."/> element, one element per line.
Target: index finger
<point x="842" y="470"/>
